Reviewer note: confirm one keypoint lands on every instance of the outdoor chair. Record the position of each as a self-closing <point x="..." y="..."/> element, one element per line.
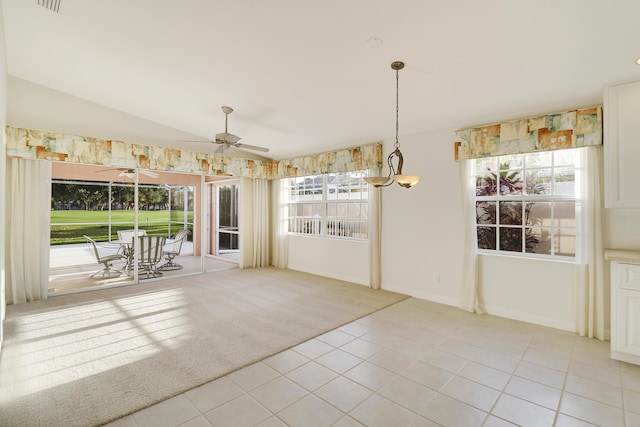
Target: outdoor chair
<point x="106" y="260"/>
<point x="172" y="250"/>
<point x="149" y="254"/>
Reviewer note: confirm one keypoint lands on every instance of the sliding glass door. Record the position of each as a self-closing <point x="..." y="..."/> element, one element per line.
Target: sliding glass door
<point x="93" y="218"/>
<point x="223" y="235"/>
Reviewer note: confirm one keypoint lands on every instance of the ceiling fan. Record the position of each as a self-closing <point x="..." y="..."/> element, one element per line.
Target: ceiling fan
<point x="130" y="172"/>
<point x="227" y="140"/>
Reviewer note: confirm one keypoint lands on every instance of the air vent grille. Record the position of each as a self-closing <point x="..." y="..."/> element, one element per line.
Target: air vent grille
<point x="52" y="5"/>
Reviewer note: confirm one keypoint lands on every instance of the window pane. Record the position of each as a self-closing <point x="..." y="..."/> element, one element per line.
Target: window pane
<point x="485" y="212"/>
<point x="487" y="238"/>
<point x="564" y="158"/>
<point x="538" y="181"/>
<point x="510" y="182"/>
<point x="486" y="164"/>
<point x="565" y="181"/>
<point x="511" y="213"/>
<point x="539" y="214"/>
<point x="565" y="242"/>
<point x="538" y="240"/>
<point x="511" y="239"/>
<point x="564" y="214"/>
<point x="511" y="161"/>
<point x="542" y="158"/>
<point x="486" y="184"/>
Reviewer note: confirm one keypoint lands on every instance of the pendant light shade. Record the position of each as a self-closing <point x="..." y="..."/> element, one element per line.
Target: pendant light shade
<point x="395" y="172"/>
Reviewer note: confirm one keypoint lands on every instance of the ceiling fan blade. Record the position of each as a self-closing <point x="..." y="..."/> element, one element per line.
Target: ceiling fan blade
<point x="193" y="140"/>
<point x="150" y="174"/>
<point x="129" y="173"/>
<point x="252" y="147"/>
<point x="228" y="138"/>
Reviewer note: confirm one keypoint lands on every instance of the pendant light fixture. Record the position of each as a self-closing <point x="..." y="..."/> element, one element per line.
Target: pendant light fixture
<point x="395" y="173"/>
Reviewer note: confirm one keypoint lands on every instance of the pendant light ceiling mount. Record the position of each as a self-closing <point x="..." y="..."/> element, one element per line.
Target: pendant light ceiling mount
<point x="395" y="173"/>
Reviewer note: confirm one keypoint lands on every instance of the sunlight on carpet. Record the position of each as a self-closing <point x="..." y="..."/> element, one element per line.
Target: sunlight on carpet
<point x="90" y="358"/>
<point x="94" y="338"/>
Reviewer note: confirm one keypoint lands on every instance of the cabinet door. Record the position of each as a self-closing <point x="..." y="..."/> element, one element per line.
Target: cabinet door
<point x="628" y="322"/>
<point x="622" y="145"/>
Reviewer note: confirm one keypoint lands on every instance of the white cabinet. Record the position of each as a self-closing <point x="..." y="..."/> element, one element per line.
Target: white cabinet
<point x="625" y="312"/>
<point x="622" y="145"/>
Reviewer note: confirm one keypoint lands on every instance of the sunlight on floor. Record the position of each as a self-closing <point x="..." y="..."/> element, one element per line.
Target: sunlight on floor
<point x="63" y="345"/>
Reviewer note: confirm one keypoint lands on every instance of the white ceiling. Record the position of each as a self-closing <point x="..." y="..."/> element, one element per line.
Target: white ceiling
<point x="304" y="77"/>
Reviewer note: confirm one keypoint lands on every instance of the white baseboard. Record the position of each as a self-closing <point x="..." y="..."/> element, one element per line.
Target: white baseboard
<point x="356" y="280"/>
<point x="531" y="318"/>
<point x="423" y="295"/>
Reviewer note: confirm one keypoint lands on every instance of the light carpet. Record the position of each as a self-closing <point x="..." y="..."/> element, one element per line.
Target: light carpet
<point x="90" y="358"/>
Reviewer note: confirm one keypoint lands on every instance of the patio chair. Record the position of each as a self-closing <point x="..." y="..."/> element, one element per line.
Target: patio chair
<point x="172" y="250"/>
<point x="106" y="260"/>
<point x="149" y="254"/>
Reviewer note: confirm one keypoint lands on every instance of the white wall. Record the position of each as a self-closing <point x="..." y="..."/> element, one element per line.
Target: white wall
<point x="532" y="290"/>
<point x="422" y="242"/>
<point x="335" y="258"/>
<point x="3" y="150"/>
<point x="421" y="226"/>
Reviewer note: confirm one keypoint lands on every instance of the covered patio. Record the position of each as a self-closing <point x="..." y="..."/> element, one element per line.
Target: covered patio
<point x="71" y="266"/>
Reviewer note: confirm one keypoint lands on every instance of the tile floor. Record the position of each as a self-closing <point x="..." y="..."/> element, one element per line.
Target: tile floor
<point x="418" y="363"/>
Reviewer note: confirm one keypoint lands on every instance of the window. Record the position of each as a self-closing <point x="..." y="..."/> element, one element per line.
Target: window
<point x="526" y="203"/>
<point x="332" y="205"/>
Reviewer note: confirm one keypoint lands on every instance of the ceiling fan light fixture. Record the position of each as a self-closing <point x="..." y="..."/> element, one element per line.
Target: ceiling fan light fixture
<point x="395" y="172"/>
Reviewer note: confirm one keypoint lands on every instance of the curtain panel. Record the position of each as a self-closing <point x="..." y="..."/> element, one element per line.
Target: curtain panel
<point x="28" y="201"/>
<point x="590" y="276"/>
<point x="571" y="129"/>
<point x="279" y="225"/>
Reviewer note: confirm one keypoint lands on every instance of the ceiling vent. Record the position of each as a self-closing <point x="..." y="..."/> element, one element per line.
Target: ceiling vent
<point x="52" y="5"/>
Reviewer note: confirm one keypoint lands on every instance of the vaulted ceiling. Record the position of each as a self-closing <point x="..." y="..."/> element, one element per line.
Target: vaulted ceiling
<point x="307" y="76"/>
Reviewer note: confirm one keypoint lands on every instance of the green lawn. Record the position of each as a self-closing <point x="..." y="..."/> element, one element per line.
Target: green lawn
<point x="70" y="226"/>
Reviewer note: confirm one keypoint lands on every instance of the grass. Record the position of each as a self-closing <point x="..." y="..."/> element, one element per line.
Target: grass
<point x="69" y="226"/>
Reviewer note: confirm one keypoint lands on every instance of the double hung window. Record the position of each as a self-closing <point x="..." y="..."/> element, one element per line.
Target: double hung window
<point x="329" y="205"/>
<point x="526" y="203"/>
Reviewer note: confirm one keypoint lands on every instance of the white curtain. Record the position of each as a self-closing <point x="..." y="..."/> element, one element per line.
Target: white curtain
<point x="279" y="228"/>
<point x="375" y="234"/>
<point x="254" y="223"/>
<point x="28" y="213"/>
<point x="590" y="251"/>
<point x="469" y="300"/>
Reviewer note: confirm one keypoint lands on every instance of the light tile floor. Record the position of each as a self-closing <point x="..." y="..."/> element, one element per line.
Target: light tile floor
<point x="418" y="363"/>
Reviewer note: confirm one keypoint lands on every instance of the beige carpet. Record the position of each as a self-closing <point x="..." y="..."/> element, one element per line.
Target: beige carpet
<point x="87" y="359"/>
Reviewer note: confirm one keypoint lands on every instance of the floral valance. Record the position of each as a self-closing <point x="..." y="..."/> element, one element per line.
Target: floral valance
<point x="571" y="129"/>
<point x="43" y="145"/>
<point x="346" y="160"/>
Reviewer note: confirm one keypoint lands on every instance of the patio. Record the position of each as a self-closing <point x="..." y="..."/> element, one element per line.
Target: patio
<point x="70" y="266"/>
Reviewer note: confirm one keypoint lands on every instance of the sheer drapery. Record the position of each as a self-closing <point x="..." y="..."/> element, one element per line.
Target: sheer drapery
<point x="254" y="223"/>
<point x="375" y="234"/>
<point x="28" y="205"/>
<point x="469" y="300"/>
<point x="279" y="229"/>
<point x="590" y="252"/>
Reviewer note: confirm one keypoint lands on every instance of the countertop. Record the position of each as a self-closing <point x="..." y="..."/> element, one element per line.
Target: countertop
<point x="631" y="256"/>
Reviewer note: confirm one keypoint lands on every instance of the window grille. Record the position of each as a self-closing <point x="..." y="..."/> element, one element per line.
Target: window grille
<point x="329" y="205"/>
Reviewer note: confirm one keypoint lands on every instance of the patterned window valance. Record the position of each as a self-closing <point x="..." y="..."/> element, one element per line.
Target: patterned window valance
<point x="347" y="160"/>
<point x="42" y="145"/>
<point x="570" y="129"/>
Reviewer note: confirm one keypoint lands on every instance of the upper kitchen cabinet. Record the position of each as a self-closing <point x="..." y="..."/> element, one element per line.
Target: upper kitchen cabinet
<point x="622" y="145"/>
